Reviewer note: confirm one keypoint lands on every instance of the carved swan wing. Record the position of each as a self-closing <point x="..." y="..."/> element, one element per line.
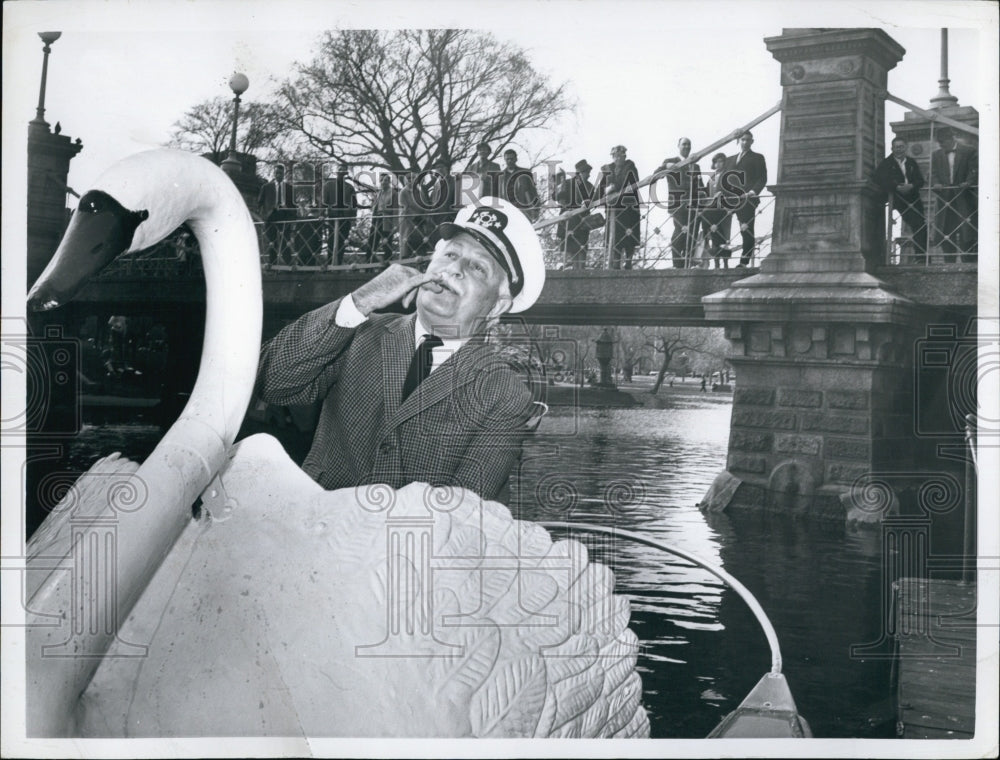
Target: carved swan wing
<point x="421" y="611"/>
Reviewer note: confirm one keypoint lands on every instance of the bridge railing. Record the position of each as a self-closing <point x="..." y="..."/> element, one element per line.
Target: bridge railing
<point x="690" y="236"/>
<point x="665" y="235"/>
<point x="946" y="229"/>
<point x="949" y="232"/>
<point x="176" y="256"/>
<point x="711" y="238"/>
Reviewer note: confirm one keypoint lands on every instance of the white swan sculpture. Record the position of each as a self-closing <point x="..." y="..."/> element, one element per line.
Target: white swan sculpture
<point x="291" y="610"/>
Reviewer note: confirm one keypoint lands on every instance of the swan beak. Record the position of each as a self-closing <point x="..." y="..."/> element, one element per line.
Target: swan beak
<point x="100" y="229"/>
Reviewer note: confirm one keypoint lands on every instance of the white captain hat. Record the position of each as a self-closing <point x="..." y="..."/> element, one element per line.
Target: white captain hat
<point x="506" y="233"/>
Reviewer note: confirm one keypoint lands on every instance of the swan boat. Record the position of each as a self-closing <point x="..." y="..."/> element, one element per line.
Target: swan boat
<point x="287" y="610"/>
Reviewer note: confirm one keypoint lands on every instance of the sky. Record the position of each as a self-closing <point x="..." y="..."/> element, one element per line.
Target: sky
<point x="643" y="73"/>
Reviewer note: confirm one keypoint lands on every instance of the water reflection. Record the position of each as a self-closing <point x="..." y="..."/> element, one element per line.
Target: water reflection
<point x="645" y="470"/>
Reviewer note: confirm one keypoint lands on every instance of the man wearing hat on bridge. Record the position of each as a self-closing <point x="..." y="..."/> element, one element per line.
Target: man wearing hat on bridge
<point x="574" y="232"/>
<point x="420" y="397"/>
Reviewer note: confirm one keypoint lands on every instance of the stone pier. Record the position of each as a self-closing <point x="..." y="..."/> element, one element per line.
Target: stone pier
<point x="821" y="347"/>
<point x="49" y="154"/>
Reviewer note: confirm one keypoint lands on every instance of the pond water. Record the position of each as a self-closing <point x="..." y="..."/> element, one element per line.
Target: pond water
<point x="644" y="470"/>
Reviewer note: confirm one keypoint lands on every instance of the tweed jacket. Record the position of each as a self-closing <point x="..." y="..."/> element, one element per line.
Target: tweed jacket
<point x="463" y="426"/>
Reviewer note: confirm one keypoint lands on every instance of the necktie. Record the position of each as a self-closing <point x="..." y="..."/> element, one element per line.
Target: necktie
<point x="420" y="365"/>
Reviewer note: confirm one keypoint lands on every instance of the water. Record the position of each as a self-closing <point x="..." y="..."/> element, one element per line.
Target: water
<point x="645" y="470"/>
<point x="702" y="651"/>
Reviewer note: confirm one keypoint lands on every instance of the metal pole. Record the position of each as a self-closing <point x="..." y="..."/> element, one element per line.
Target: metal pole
<point x="944" y="59"/>
<point x="236" y="118"/>
<point x="971" y="473"/>
<point x="48" y="38"/>
<point x="888" y="234"/>
<point x="931" y="214"/>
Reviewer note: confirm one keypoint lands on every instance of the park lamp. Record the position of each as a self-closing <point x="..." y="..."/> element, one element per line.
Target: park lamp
<point x="238" y="83"/>
<point x="48" y="38"/>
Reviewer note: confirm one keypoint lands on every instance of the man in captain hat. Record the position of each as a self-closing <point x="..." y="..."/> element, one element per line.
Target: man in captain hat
<point x="420" y="397"/>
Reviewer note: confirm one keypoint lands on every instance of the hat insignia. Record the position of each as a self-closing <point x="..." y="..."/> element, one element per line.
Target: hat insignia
<point x="489" y="219"/>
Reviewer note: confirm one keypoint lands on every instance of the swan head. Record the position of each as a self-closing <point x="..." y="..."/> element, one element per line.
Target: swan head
<point x="134" y="204"/>
<point x="99" y="230"/>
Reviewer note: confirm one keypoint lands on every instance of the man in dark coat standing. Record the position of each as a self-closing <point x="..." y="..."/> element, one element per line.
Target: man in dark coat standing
<point x="900" y="178"/>
<point x="420" y="397"/>
<point x="955" y="180"/>
<point x="276" y="206"/>
<point x="683" y="184"/>
<point x="440" y="194"/>
<point x="341" y="207"/>
<point x="574" y="194"/>
<point x="750" y="180"/>
<point x="385" y="211"/>
<point x="518" y="186"/>
<point x="619" y="181"/>
<point x="486" y="169"/>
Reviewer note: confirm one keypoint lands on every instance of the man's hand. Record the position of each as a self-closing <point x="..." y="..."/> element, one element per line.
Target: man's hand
<point x="397" y="283"/>
<point x="906" y="187"/>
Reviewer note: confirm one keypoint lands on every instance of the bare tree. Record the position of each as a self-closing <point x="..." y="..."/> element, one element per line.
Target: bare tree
<point x="631" y="344"/>
<point x="207" y="128"/>
<point x="403" y="100"/>
<point x="671" y="341"/>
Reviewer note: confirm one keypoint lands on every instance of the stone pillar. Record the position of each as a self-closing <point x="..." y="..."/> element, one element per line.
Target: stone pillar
<point x="820" y="346"/>
<point x="243" y="174"/>
<point x="48" y="168"/>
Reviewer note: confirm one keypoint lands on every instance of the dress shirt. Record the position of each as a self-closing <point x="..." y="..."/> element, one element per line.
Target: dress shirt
<point x="349" y="316"/>
<point x="902" y="168"/>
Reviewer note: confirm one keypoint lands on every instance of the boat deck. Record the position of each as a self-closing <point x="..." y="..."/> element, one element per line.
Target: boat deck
<point x="936" y="633"/>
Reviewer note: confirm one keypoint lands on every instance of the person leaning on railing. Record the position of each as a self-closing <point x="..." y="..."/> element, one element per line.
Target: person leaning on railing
<point x="622" y="235"/>
<point x="900" y="178"/>
<point x="412" y="238"/>
<point x="683" y="183"/>
<point x="955" y="181"/>
<point x="751" y="173"/>
<point x="340" y="205"/>
<point x="573" y="232"/>
<point x="385" y="210"/>
<point x="717" y="213"/>
<point x="276" y="205"/>
<point x="518" y="186"/>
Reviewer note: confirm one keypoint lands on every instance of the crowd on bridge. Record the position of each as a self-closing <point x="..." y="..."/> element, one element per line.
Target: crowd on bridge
<point x="406" y="208"/>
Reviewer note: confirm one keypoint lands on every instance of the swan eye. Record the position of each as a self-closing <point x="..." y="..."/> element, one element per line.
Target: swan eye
<point x="93" y="203"/>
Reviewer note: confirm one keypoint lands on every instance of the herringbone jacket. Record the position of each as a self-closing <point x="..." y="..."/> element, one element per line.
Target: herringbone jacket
<point x="462" y="426"/>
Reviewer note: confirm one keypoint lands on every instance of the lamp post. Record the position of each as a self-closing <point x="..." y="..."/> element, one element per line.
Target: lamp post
<point x="39" y="121"/>
<point x="238" y="83"/>
<point x="605" y="352"/>
<point x="944" y="97"/>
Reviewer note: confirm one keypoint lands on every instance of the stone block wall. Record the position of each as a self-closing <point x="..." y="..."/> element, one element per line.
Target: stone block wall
<point x="815" y="408"/>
